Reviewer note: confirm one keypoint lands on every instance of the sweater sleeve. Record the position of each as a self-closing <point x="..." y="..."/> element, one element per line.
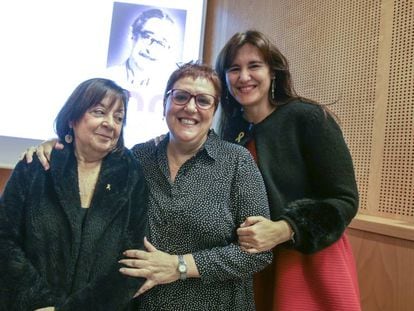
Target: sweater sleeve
<point x="24" y="287"/>
<point x="248" y="198"/>
<point x="320" y="220"/>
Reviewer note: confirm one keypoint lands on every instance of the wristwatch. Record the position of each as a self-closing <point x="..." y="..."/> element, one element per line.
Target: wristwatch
<point x="182" y="267"/>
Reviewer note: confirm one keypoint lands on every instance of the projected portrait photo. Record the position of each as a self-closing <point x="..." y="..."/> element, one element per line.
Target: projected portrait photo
<point x="136" y="43"/>
<point x="145" y="44"/>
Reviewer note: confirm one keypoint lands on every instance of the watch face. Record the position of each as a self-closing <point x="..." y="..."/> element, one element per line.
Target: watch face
<point x="182" y="268"/>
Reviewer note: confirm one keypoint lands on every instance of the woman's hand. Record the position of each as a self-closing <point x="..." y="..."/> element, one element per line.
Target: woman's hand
<point x="154" y="265"/>
<point x="43" y="152"/>
<point x="258" y="234"/>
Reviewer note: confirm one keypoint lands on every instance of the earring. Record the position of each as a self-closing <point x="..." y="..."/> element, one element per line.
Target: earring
<point x="272" y="86"/>
<point x="69" y="136"/>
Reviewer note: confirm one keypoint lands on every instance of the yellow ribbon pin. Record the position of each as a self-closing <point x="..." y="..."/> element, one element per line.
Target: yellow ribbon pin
<point x="239" y="137"/>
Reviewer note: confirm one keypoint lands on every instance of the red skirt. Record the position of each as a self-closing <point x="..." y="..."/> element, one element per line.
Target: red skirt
<point x="326" y="280"/>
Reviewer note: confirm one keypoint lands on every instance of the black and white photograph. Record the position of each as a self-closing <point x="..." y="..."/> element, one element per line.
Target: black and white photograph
<point x="137" y="43"/>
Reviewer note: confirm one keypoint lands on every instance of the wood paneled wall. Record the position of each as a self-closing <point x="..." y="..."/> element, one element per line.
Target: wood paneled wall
<point x="358" y="54"/>
<point x="385" y="270"/>
<point x="4" y="176"/>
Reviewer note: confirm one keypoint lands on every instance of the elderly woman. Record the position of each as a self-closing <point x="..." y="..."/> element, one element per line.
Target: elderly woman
<point x="63" y="231"/>
<point x="201" y="190"/>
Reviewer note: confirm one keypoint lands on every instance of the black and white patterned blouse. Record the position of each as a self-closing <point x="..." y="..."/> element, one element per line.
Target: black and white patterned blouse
<point x="199" y="213"/>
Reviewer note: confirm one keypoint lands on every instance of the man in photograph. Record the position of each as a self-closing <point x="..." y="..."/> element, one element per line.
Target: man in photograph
<point x="146" y="43"/>
<point x="153" y="36"/>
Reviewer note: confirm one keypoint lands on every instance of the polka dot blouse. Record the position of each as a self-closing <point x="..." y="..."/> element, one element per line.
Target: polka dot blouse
<point x="198" y="213"/>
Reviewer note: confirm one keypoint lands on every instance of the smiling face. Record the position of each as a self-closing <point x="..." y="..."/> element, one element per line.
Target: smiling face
<point x="153" y="43"/>
<point x="249" y="78"/>
<point x="98" y="131"/>
<point x="189" y="124"/>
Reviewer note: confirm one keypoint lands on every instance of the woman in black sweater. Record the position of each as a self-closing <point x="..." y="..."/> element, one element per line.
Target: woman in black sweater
<point x="309" y="177"/>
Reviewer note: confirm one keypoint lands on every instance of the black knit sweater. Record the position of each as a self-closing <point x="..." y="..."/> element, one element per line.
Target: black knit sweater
<point x="307" y="169"/>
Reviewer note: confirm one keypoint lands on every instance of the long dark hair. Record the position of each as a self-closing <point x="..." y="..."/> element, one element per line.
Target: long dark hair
<point x="281" y="90"/>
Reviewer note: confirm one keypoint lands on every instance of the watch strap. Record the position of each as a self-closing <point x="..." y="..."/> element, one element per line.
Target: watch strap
<point x="182" y="267"/>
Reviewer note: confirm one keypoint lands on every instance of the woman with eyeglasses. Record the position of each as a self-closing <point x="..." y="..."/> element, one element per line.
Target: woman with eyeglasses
<point x="201" y="190"/>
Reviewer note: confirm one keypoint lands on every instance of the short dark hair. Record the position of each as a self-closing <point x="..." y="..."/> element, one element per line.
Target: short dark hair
<point x="144" y="16"/>
<point x="194" y="70"/>
<point x="86" y="95"/>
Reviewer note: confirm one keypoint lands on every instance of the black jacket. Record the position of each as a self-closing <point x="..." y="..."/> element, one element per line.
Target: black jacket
<point x="307" y="169"/>
<point x="50" y="255"/>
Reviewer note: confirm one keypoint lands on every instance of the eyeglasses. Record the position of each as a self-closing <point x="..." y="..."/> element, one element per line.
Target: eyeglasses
<point x="150" y="39"/>
<point x="202" y="101"/>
